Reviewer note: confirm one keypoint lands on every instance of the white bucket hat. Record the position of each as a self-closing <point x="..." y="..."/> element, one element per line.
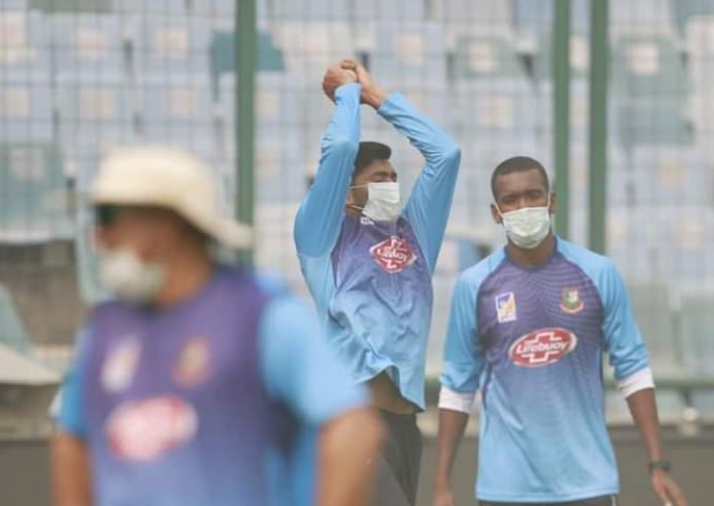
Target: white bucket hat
<point x="170" y="178"/>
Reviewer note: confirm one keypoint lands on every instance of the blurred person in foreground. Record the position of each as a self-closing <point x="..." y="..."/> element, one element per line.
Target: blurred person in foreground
<point x="368" y="260"/>
<point x="200" y="384"/>
<point x="529" y="326"/>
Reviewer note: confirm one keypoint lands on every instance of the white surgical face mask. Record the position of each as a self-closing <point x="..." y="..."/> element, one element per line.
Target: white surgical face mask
<point x="384" y="201"/>
<point x="527" y="228"/>
<point x="129" y="277"/>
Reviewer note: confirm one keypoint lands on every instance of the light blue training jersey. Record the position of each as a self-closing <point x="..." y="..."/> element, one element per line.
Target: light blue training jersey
<point x="532" y="341"/>
<point x="216" y="401"/>
<point x="371" y="281"/>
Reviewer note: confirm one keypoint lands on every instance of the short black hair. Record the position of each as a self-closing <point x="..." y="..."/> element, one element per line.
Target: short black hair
<point x="368" y="153"/>
<point x="518" y="164"/>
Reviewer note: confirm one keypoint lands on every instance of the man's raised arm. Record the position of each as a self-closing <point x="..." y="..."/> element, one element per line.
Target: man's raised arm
<point x="319" y="220"/>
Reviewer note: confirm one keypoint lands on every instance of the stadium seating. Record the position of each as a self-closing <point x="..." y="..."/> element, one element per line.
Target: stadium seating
<point x="26" y="110"/>
<point x="221" y="9"/>
<point x="35" y="202"/>
<point x="12" y="332"/>
<point x="650" y="85"/>
<point x="685" y="11"/>
<point x="644" y="17"/>
<point x="88" y="46"/>
<point x="97" y="114"/>
<point x="696" y="322"/>
<point x="532" y="18"/>
<point x="648" y="66"/>
<point x="485" y="56"/>
<point x="167" y="8"/>
<point x="310" y="46"/>
<point x="223" y="56"/>
<point x="72" y="6"/>
<point x="173" y="45"/>
<point x="460" y="16"/>
<point x="24" y="46"/>
<point x="179" y="109"/>
<point x="410" y="53"/>
<point x="652" y="308"/>
<point x="327" y="10"/>
<point x="90" y="287"/>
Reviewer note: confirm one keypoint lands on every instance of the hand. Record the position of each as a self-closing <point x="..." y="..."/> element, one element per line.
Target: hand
<point x="443" y="497"/>
<point x="667" y="489"/>
<point x="371" y="94"/>
<point x="335" y="77"/>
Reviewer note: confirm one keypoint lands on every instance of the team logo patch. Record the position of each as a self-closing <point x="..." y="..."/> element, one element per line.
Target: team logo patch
<point x="506" y="307"/>
<point x="393" y="255"/>
<point x="542" y="347"/>
<point x="193" y="364"/>
<point x="571" y="302"/>
<point x="120" y="366"/>
<point x="142" y="431"/>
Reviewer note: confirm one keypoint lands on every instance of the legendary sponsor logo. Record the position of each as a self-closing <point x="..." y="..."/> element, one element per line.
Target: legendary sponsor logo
<point x="141" y="431"/>
<point x="506" y="307"/>
<point x="571" y="301"/>
<point x="393" y="255"/>
<point x="542" y="347"/>
<point x="120" y="366"/>
<point x="193" y="364"/>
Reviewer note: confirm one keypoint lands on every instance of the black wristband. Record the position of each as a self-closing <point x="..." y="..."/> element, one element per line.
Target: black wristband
<point x="664" y="465"/>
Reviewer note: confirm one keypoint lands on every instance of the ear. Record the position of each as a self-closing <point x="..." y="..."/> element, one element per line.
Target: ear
<point x="553" y="203"/>
<point x="496" y="215"/>
<point x="350" y="197"/>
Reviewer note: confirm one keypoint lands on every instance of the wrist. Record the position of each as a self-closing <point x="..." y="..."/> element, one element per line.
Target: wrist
<point x="375" y="96"/>
<point x="442" y="483"/>
<point x="659" y="465"/>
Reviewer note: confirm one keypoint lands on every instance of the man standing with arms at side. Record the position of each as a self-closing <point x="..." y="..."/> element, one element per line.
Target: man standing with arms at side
<point x="368" y="260"/>
<point x="200" y="384"/>
<point x="528" y="329"/>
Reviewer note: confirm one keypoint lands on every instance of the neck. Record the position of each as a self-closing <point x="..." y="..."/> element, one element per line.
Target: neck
<point x="532" y="257"/>
<point x="188" y="273"/>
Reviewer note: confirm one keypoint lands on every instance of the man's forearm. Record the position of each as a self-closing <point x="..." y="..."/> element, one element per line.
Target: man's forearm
<point x="347" y="445"/>
<point x="71" y="474"/>
<point x="452" y="425"/>
<point x="644" y="412"/>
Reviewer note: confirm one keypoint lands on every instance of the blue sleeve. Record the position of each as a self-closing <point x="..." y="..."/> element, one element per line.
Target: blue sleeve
<point x="463" y="355"/>
<point x="623" y="339"/>
<point x="430" y="202"/>
<point x="319" y="220"/>
<point x="298" y="367"/>
<point x="71" y="415"/>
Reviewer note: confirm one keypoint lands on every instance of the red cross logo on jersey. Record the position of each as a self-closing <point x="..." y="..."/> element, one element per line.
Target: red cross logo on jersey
<point x="542" y="347"/>
<point x="393" y="255"/>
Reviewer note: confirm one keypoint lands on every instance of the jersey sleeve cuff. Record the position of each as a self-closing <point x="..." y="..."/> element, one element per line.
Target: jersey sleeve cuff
<point x="641" y="380"/>
<point x="462" y="402"/>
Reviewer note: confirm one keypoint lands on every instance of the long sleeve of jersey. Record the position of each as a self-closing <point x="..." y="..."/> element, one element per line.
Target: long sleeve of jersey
<point x="430" y="202"/>
<point x="319" y="220"/>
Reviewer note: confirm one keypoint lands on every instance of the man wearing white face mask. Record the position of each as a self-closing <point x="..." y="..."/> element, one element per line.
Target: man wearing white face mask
<point x="528" y="329"/>
<point x="199" y="383"/>
<point x="368" y="259"/>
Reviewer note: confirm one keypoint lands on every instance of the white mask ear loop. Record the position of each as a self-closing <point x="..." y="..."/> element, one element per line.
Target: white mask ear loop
<point x="355" y="206"/>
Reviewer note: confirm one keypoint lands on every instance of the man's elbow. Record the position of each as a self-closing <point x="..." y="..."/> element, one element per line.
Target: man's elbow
<point x="452" y="155"/>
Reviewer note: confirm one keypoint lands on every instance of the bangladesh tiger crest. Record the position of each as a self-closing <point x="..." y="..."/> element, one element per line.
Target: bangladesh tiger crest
<point x="571" y="302"/>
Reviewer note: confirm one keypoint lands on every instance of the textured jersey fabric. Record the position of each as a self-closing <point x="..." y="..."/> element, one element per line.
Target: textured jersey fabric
<point x="215" y="401"/>
<point x="371" y="280"/>
<point x="532" y="341"/>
